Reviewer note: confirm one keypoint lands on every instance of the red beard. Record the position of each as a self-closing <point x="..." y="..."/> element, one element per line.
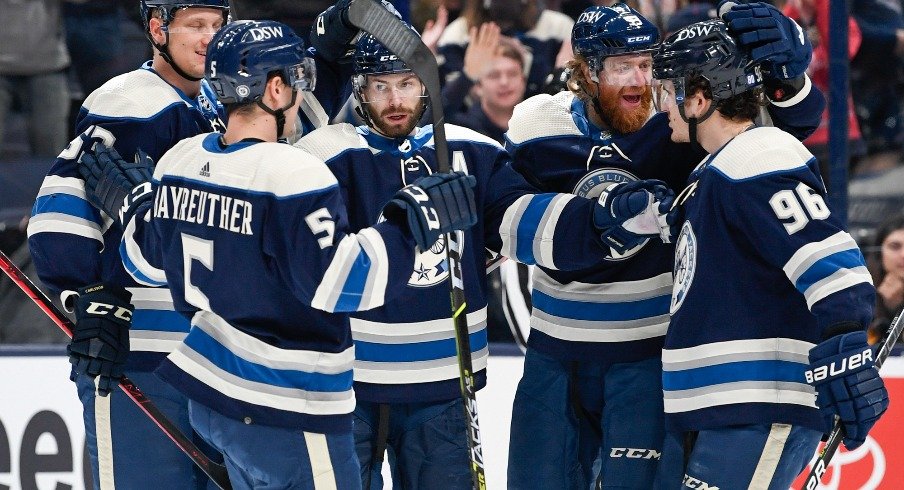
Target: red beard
<point x="621" y="120"/>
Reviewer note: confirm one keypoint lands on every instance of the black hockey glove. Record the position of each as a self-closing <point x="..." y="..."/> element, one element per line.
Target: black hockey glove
<point x="629" y="213"/>
<point x="848" y="385"/>
<point x="434" y="205"/>
<point x="333" y="36"/>
<point x="776" y="42"/>
<point x="100" y="341"/>
<point x="115" y="185"/>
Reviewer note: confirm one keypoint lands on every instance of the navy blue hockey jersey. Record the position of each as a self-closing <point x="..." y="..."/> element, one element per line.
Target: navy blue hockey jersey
<point x="762" y="267"/>
<point x="74" y="244"/>
<point x="405" y="350"/>
<point x="617" y="310"/>
<point x="252" y="239"/>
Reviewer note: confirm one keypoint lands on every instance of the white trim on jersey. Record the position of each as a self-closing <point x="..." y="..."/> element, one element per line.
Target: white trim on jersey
<point x="133" y="258"/>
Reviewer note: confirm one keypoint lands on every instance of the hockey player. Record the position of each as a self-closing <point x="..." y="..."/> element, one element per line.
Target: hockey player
<point x="772" y="296"/>
<point x="75" y="250"/>
<point x="252" y="237"/>
<point x="406" y="372"/>
<point x="591" y="386"/>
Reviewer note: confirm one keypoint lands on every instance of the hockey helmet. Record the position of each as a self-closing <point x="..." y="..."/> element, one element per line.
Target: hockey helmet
<point x="616" y="30"/>
<point x="168" y="9"/>
<point x="707" y="50"/>
<point x="373" y="58"/>
<point x="242" y="55"/>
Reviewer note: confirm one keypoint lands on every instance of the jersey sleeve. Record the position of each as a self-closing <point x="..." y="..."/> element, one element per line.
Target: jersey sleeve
<point x="548" y="229"/>
<point x="327" y="267"/>
<point x="799" y="115"/>
<point x="783" y="216"/>
<point x="67" y="235"/>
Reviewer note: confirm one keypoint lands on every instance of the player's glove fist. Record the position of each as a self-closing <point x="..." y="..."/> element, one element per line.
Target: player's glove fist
<point x="847" y="385"/>
<point x="434" y="205"/>
<point x="629" y="213"/>
<point x="113" y="184"/>
<point x="776" y="42"/>
<point x="100" y="340"/>
<point x="334" y="36"/>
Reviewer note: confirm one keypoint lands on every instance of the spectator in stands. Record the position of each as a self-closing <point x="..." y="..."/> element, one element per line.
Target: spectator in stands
<point x="886" y="264"/>
<point x="33" y="62"/>
<point x="545" y="34"/>
<point x="813" y="16"/>
<point x="499" y="87"/>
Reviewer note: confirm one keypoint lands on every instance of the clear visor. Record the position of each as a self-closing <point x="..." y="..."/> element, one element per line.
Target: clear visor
<point x="303" y="76"/>
<point x="667" y="93"/>
<point x="378" y="90"/>
<point x="627" y="71"/>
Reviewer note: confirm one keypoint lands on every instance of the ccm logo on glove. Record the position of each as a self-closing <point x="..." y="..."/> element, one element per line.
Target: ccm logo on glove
<point x="105" y="309"/>
<point x="421" y="197"/>
<point x="852" y="362"/>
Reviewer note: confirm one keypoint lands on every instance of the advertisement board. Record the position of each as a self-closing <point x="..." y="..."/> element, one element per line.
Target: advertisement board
<point x="42" y="436"/>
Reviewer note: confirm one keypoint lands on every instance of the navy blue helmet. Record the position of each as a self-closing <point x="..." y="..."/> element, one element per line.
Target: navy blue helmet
<point x="706" y="49"/>
<point x="168" y="9"/>
<point x="601" y="32"/>
<point x="242" y="55"/>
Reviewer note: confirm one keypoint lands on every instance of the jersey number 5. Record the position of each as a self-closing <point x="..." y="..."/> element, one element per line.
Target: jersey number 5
<point x="800" y="206"/>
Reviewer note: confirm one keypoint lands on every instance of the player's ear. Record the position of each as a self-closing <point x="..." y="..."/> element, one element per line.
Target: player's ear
<point x="155" y="27"/>
<point x="696" y="105"/>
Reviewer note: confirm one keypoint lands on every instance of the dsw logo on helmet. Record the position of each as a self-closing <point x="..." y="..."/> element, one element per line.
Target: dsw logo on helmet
<point x="264" y="33"/>
<point x="694" y="31"/>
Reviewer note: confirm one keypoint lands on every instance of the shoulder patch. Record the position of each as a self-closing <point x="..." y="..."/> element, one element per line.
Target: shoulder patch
<point x="329" y="141"/>
<point x="138" y="94"/>
<point x="542" y="116"/>
<point x="761" y="151"/>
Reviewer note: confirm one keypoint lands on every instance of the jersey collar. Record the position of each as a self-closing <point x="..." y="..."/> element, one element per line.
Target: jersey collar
<point x="402" y="147"/>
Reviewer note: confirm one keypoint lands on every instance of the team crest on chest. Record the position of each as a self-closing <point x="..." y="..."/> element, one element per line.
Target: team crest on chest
<point x="430" y="266"/>
<point x="685" y="265"/>
<point x="593" y="184"/>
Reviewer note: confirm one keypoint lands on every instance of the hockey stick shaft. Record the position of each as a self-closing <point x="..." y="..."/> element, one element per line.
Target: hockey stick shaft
<point x="835" y="437"/>
<point x="370" y="16"/>
<point x="216" y="472"/>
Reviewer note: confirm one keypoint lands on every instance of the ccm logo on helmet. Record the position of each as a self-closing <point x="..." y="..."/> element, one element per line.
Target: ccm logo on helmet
<point x="388" y="57"/>
<point x="693" y="31"/>
<point x="264" y="33"/>
<point x="852" y="362"/>
<point x="638" y="39"/>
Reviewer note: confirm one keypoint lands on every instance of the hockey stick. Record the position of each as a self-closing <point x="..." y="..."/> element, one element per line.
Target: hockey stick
<point x="216" y="472"/>
<point x="834" y="441"/>
<point x="370" y="16"/>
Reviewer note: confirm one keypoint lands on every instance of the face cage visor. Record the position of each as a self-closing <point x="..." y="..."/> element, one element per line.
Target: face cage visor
<point x="303" y="76"/>
<point x="667" y="93"/>
<point x="630" y="70"/>
<point x="407" y="88"/>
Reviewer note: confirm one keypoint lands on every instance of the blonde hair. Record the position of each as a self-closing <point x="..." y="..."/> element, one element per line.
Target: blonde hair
<point x="577" y="80"/>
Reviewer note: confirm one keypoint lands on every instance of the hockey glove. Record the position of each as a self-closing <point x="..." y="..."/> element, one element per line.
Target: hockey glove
<point x="434" y="205"/>
<point x="333" y="36"/>
<point x="115" y="185"/>
<point x="100" y="340"/>
<point x="848" y="385"/>
<point x="629" y="213"/>
<point x="776" y="42"/>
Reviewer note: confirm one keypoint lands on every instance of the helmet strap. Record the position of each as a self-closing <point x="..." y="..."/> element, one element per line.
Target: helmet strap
<point x="164" y="50"/>
<point x="279" y="114"/>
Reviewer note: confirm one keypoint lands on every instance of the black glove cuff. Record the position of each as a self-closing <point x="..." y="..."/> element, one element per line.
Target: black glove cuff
<point x="841" y="328"/>
<point x="779" y="90"/>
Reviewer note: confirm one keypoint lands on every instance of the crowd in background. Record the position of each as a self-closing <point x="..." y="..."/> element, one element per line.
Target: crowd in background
<point x="492" y="54"/>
